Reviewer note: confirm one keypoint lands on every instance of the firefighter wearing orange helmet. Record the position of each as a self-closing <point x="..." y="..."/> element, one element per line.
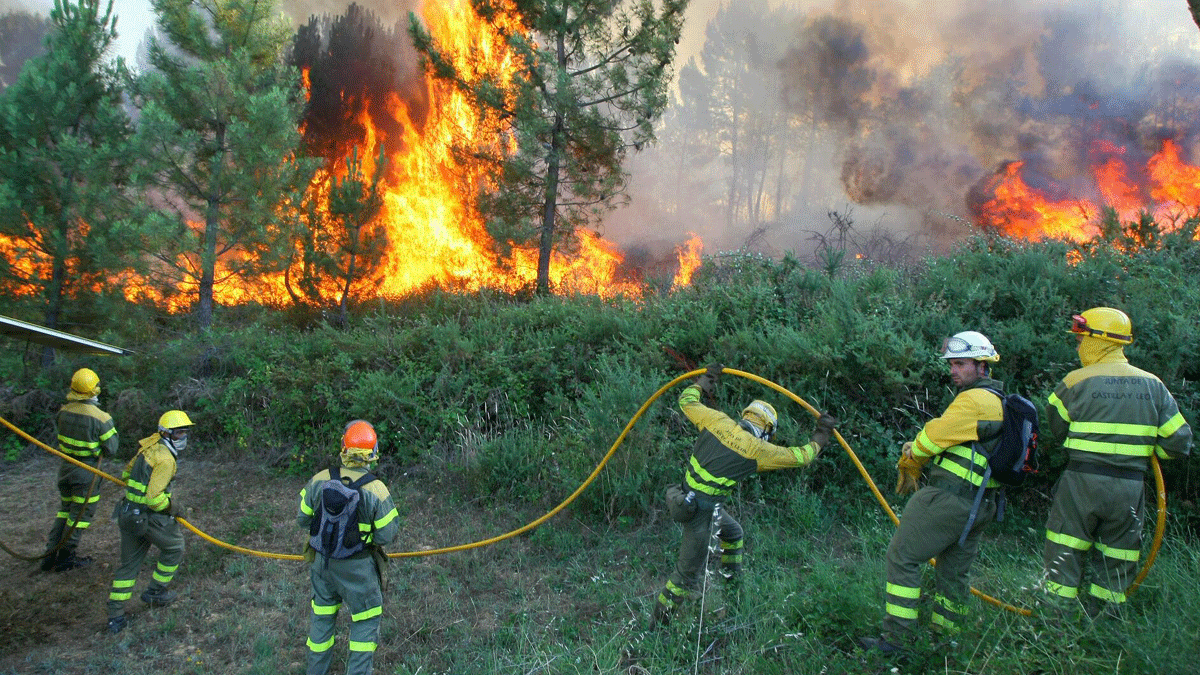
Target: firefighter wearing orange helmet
<point x="86" y="433"/>
<point x="1113" y="417"/>
<point x="350" y="517"/>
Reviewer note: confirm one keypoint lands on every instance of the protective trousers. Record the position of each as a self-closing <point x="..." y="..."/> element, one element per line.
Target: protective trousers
<point x="693" y="554"/>
<point x="930" y="527"/>
<point x="139" y="530"/>
<point x="1097" y="516"/>
<point x="77" y="509"/>
<point x="355" y="582"/>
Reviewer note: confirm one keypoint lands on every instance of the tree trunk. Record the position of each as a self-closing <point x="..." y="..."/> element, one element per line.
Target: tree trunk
<point x="212" y="227"/>
<point x="58" y="281"/>
<point x="549" y="206"/>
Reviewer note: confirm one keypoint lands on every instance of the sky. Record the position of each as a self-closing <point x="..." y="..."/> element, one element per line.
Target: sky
<point x="135" y="17"/>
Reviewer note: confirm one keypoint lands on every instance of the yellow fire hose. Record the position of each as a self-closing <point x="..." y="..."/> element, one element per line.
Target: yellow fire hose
<point x="1158" y="533"/>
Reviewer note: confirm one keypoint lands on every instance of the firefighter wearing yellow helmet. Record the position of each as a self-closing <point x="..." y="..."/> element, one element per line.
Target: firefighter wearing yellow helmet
<point x="1113" y="416"/>
<point x="147" y="516"/>
<point x="350" y="517"/>
<point x="726" y="452"/>
<point x="937" y="521"/>
<point x="86" y="433"/>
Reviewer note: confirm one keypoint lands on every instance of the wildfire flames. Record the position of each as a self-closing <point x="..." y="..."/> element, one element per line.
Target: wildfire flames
<point x="435" y="237"/>
<point x="1165" y="186"/>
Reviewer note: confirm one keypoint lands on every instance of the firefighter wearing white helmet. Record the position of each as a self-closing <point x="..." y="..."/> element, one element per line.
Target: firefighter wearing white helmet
<point x="725" y="453"/>
<point x="1112" y="416"/>
<point x="350" y="517"/>
<point x="86" y="433"/>
<point x="937" y="521"/>
<point x="147" y="516"/>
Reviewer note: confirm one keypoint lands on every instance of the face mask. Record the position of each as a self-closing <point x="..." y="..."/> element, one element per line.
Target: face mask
<point x="176" y="447"/>
<point x="753" y="429"/>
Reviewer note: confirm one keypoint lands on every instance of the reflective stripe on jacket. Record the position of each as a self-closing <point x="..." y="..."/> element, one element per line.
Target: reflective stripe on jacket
<point x="148" y="475"/>
<point x="969" y="428"/>
<point x="85" y="431"/>
<point x="725" y="453"/>
<point x="379" y="520"/>
<point x="1114" y="414"/>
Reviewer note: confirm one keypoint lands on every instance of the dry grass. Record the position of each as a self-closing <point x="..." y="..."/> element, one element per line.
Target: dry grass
<point x="240" y="614"/>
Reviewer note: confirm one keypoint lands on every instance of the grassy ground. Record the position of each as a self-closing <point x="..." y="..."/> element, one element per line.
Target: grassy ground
<point x="570" y="597"/>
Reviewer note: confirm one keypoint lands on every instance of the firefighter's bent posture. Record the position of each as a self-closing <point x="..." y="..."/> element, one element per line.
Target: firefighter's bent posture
<point x="726" y="452"/>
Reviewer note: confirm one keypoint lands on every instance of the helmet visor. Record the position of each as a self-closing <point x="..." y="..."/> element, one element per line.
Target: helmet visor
<point x="1080" y="325"/>
<point x="956" y="345"/>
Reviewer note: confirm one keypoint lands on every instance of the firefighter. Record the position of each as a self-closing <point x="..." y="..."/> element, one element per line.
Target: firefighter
<point x="147" y="516"/>
<point x="1113" y="416"/>
<point x="86" y="433"/>
<point x="726" y="452"/>
<point x="348" y="569"/>
<point x="936" y="522"/>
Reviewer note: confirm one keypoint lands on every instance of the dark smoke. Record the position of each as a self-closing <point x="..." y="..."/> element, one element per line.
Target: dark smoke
<point x="931" y="108"/>
<point x="356" y="64"/>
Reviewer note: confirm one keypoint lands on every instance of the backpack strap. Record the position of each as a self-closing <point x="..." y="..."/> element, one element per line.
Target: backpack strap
<point x="357" y="486"/>
<point x="987" y="475"/>
<point x="362" y="480"/>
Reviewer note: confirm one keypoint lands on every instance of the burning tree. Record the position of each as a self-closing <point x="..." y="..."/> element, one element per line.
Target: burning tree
<point x="219" y="133"/>
<point x="63" y="160"/>
<point x="578" y="84"/>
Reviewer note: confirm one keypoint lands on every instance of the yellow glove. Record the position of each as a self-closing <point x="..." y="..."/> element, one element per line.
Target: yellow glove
<point x="909" y="468"/>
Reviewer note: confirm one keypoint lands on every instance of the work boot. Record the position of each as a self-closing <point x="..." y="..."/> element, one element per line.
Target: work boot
<point x="881" y="645"/>
<point x="159" y="597"/>
<point x="116" y="624"/>
<point x="661" y="616"/>
<point x="70" y="561"/>
<point x="50" y="561"/>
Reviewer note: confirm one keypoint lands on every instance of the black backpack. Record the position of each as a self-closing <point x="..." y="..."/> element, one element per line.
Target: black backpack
<point x="1014" y="456"/>
<point x="334" y="529"/>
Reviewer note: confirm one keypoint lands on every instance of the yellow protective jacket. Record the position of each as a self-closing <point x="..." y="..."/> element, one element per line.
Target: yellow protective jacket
<point x="1116" y="415"/>
<point x="148" y="475"/>
<point x="379" y="522"/>
<point x="85" y="431"/>
<point x="725" y="453"/>
<point x="966" y="432"/>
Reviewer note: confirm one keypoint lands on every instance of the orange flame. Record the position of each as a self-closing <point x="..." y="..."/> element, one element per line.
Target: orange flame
<point x="435" y="236"/>
<point x="689" y="260"/>
<point x="1171" y="192"/>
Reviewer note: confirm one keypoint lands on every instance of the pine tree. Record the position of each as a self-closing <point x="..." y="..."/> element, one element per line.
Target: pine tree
<point x="590" y="79"/>
<point x="64" y="162"/>
<point x="219" y="133"/>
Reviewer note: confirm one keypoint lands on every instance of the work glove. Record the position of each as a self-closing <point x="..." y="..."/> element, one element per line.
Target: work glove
<point x="909" y="468"/>
<point x="708" y="381"/>
<point x="825" y="425"/>
<point x="174" y="508"/>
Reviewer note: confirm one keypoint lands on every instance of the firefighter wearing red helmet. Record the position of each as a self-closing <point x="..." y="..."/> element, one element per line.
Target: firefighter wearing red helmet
<point x="350" y="517"/>
<point x="86" y="433"/>
<point x="1113" y="417"/>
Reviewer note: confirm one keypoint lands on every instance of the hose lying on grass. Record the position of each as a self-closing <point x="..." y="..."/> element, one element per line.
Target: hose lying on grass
<point x="1158" y="477"/>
